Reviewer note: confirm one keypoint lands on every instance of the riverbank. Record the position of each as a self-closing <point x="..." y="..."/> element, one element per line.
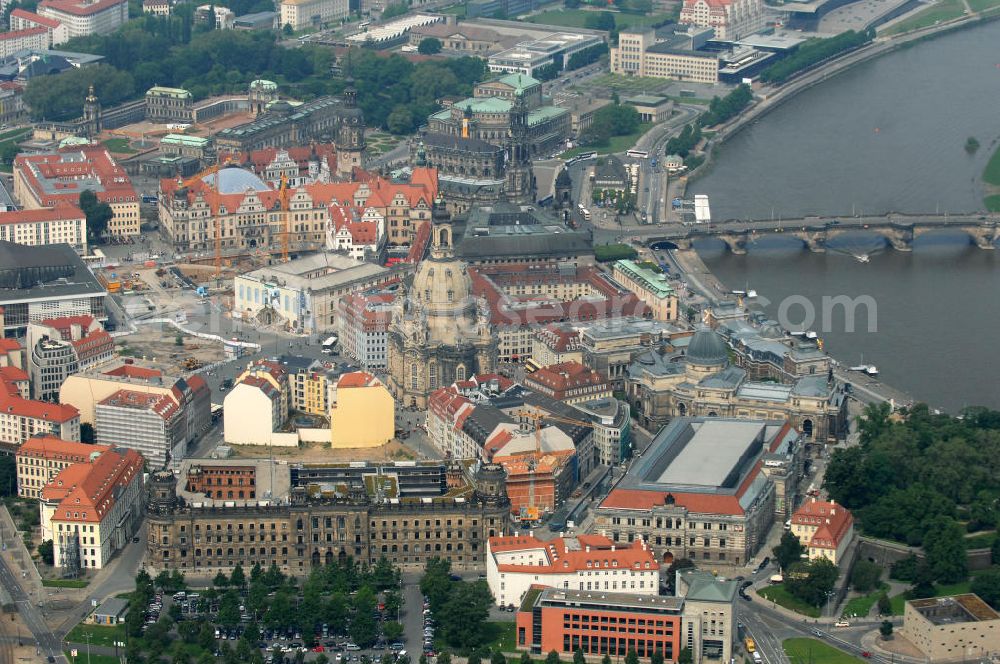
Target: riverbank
<point x="701" y="280"/>
<point x="773" y="98"/>
<point x="991" y="178"/>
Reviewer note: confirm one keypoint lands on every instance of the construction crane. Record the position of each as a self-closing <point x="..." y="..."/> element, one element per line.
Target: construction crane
<point x="213" y="187"/>
<point x="530" y="512"/>
<point x="286" y="235"/>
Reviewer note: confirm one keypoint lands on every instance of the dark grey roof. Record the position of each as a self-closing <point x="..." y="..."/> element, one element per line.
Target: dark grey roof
<point x="707" y="347"/>
<point x="609" y="168"/>
<point x="483" y="420"/>
<point x="507" y="229"/>
<point x="52" y="270"/>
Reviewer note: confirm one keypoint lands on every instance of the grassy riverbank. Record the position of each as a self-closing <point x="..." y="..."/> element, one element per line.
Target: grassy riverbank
<point x="991" y="178"/>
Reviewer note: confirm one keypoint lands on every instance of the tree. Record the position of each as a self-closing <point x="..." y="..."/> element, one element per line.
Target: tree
<point x="220" y="580"/>
<point x="631" y="657"/>
<point x="98" y="215"/>
<point x="497" y="657"/>
<point x="552" y="657"/>
<point x="788" y="551"/>
<point x="606" y="659"/>
<point x="865" y="576"/>
<point x="657" y="657"/>
<point x="364" y="628"/>
<point x="600" y="21"/>
<point x="463" y="616"/>
<point x="885" y="629"/>
<point x="229" y="609"/>
<point x="580" y="658"/>
<point x="811" y="581"/>
<point x="288" y="30"/>
<point x="8" y="475"/>
<point x="987" y="586"/>
<point x="392" y="630"/>
<point x="944" y="547"/>
<point x="87" y="434"/>
<point x="429" y="46"/>
<point x="436" y="583"/>
<point x="994" y="550"/>
<point x="45" y="550"/>
<point x="474" y="658"/>
<point x="444" y="657"/>
<point x="884" y="605"/>
<point x="685" y="656"/>
<point x="238" y="578"/>
<point x="526" y="658"/>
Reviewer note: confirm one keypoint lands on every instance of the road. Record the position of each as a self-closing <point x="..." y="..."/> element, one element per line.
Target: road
<point x="47" y="642"/>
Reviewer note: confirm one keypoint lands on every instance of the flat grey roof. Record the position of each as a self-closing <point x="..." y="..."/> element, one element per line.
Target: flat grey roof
<point x="710" y="455"/>
<point x="46" y="272"/>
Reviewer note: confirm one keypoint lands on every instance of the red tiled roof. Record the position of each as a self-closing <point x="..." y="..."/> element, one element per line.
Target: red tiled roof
<point x="699" y="503"/>
<point x="357" y="379"/>
<point x="7" y="345"/>
<point x="20" y="34"/>
<point x="50" y="447"/>
<point x="35" y="18"/>
<point x="158" y="403"/>
<point x="832" y="522"/>
<point x="12" y="374"/>
<point x="63" y="212"/>
<point x="603" y="554"/>
<point x="87" y="491"/>
<point x="37" y="410"/>
<point x="565" y="376"/>
<point x="81" y="8"/>
<point x="263" y="385"/>
<point x="64" y="174"/>
<point x="133" y="371"/>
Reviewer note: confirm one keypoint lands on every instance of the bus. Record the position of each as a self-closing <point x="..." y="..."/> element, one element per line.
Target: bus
<point x="586" y="213"/>
<point x="530" y="366"/>
<point x="329" y="344"/>
<point x="637" y="154"/>
<point x="749" y="644"/>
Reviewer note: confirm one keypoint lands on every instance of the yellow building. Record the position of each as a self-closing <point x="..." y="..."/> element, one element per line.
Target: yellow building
<point x="362" y="412"/>
<point x="651" y="287"/>
<point x="309" y="392"/>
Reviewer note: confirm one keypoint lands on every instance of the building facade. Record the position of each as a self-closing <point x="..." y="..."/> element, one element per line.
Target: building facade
<point x="58" y="178"/>
<point x="717" y="514"/>
<point x="90" y="510"/>
<point x="826" y="529"/>
<point x="302" y="14"/>
<point x="639" y="53"/>
<point x="515" y="563"/>
<point x="61" y="347"/>
<point x="150" y="423"/>
<point x="439" y="333"/>
<point x="651" y="287"/>
<point x="362" y="412"/>
<point x="732" y="20"/>
<point x="64" y="224"/>
<point x="570" y="382"/>
<point x="304" y="533"/>
<point x="954" y="628"/>
<point x="83" y="18"/>
<point x="21" y="417"/>
<point x="41" y="458"/>
<point x="169" y="105"/>
<point x="364" y="322"/>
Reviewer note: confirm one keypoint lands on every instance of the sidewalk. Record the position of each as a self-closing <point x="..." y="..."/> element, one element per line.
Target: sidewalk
<point x="17" y="556"/>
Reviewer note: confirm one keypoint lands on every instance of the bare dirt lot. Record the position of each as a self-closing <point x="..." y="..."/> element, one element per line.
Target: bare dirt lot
<point x="313" y="452"/>
<point x="158" y="343"/>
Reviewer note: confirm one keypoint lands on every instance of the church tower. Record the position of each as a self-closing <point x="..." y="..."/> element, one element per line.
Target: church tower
<point x="520" y="182"/>
<point x="91" y="114"/>
<point x="442" y="240"/>
<point x="351" y="134"/>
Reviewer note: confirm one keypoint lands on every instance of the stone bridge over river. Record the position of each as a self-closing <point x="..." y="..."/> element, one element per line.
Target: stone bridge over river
<point x="898" y="230"/>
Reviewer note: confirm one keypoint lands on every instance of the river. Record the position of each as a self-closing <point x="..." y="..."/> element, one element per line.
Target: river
<point x="886" y="136"/>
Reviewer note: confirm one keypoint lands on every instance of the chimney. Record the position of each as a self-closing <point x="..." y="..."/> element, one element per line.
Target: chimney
<point x="612" y="547"/>
<point x="588" y="549"/>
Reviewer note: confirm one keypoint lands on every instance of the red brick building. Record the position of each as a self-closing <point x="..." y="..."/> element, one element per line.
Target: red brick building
<point x="599" y="623"/>
<point x="223" y="481"/>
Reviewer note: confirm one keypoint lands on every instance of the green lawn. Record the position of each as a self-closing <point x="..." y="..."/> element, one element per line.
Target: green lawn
<point x="983" y="5"/>
<point x="616" y="144"/>
<point x="779" y="595"/>
<point x="944" y="10"/>
<point x="100" y="635"/>
<point x="992" y="203"/>
<point x="81" y="658"/>
<point x="576" y="18"/>
<point x="860" y="606"/>
<point x="812" y="651"/>
<point x="991" y="174"/>
<point x="980" y="540"/>
<point x="118" y="145"/>
<point x="624" y="84"/>
<point x="504" y="636"/>
<point x="65" y="583"/>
